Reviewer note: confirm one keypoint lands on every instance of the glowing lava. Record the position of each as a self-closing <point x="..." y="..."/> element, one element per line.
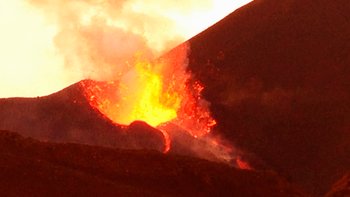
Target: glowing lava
<point x="150" y="101"/>
<point x="139" y="95"/>
<point x="48" y="44"/>
<point x="155" y="92"/>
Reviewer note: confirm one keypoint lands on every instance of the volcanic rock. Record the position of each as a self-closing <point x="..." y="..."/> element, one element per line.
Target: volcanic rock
<point x="277" y="75"/>
<point x="33" y="168"/>
<point x="67" y="116"/>
<point x="341" y="187"/>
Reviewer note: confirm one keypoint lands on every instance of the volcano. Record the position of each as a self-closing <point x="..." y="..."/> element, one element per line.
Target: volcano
<point x="277" y="79"/>
<point x="277" y="75"/>
<point x="66" y="116"/>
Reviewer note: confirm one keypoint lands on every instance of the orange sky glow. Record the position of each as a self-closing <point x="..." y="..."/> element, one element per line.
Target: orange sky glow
<point x="33" y="62"/>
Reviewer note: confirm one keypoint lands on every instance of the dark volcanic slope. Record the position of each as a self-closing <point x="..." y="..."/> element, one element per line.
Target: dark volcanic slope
<point x="32" y="168"/>
<point x="278" y="77"/>
<point x="341" y="187"/>
<point x="66" y="116"/>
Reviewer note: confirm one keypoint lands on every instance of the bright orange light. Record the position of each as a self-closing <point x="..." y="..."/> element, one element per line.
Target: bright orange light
<point x="154" y="92"/>
<point x="48" y="44"/>
<point x="153" y="104"/>
<point x="143" y="97"/>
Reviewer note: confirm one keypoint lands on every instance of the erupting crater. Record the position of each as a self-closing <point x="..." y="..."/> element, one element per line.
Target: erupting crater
<point x="156" y="92"/>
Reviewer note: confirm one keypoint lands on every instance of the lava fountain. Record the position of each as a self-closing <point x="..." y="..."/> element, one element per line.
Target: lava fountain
<point x="115" y="42"/>
<point x="156" y="92"/>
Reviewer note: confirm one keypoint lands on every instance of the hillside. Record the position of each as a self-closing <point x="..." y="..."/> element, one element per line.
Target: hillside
<point x="66" y="116"/>
<point x="277" y="75"/>
<point x="33" y="168"/>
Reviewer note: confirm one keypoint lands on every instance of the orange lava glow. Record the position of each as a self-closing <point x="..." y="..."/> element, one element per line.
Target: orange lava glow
<point x="144" y="97"/>
<point x="167" y="141"/>
<point x="154" y="92"/>
<point x="47" y="45"/>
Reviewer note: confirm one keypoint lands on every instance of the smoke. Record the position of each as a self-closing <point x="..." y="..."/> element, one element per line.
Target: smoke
<point x="101" y="39"/>
<point x="49" y="44"/>
<point x="29" y="64"/>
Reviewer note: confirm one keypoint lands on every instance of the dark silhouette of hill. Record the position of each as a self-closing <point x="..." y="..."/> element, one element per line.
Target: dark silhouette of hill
<point x="278" y="77"/>
<point x="33" y="168"/>
<point x="66" y="116"/>
<point x="341" y="187"/>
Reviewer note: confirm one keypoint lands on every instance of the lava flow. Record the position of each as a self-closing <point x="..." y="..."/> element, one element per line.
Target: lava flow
<point x="116" y="42"/>
<point x="157" y="93"/>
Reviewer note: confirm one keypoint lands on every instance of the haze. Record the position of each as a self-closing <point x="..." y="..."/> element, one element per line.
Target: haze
<point x="33" y="62"/>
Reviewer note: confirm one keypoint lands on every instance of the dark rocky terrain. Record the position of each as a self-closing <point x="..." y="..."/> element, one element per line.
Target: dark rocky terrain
<point x="66" y="116"/>
<point x="33" y="168"/>
<point x="277" y="75"/>
<point x="341" y="187"/>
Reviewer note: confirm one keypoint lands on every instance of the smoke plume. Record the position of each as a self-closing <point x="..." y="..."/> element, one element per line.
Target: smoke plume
<point x="48" y="44"/>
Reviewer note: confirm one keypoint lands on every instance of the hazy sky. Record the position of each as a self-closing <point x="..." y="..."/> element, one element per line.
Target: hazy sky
<point x="48" y="45"/>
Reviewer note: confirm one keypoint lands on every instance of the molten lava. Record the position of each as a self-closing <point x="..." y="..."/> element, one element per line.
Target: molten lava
<point x="149" y="101"/>
<point x="141" y="97"/>
<point x="67" y="41"/>
<point x="156" y="92"/>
